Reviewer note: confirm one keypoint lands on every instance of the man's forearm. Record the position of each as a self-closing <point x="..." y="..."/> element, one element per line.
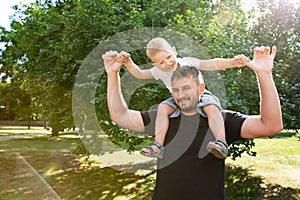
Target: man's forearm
<point x="270" y="110"/>
<point x="116" y="103"/>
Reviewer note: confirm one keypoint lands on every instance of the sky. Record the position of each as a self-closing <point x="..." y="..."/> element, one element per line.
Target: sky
<point x="6" y="10"/>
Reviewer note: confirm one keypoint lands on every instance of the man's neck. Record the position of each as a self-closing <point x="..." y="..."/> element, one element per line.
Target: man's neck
<point x="191" y="113"/>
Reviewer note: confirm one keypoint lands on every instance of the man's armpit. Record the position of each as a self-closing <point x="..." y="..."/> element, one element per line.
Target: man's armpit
<point x="149" y="118"/>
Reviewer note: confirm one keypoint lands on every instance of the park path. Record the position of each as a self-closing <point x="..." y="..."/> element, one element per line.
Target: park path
<point x="20" y="136"/>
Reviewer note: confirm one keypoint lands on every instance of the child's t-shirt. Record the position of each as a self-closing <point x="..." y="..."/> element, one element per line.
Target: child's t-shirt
<point x="165" y="77"/>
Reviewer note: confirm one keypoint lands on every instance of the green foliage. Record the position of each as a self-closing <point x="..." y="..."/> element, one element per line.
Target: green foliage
<point x="279" y="25"/>
<point x="236" y="149"/>
<point x="49" y="41"/>
<point x="152" y="93"/>
<point x="222" y="29"/>
<point x="121" y="137"/>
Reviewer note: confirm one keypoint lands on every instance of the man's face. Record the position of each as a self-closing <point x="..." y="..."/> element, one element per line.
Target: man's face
<point x="165" y="61"/>
<point x="186" y="94"/>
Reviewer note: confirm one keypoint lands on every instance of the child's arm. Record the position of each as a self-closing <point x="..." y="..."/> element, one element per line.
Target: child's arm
<point x="219" y="63"/>
<point x="135" y="70"/>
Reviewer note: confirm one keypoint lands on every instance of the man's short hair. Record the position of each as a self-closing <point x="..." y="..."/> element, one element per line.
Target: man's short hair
<point x="186" y="71"/>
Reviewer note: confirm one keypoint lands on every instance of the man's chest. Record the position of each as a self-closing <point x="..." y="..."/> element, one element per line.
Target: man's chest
<point x="188" y="134"/>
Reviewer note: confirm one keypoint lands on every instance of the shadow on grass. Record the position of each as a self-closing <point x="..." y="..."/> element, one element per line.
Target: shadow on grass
<point x="283" y="135"/>
<point x="241" y="184"/>
<point x="92" y="182"/>
<point x="73" y="178"/>
<point x="109" y="183"/>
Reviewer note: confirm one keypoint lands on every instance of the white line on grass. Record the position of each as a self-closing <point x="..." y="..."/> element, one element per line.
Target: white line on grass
<point x="39" y="176"/>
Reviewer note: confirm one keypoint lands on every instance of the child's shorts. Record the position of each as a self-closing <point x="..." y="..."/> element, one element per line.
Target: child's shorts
<point x="207" y="98"/>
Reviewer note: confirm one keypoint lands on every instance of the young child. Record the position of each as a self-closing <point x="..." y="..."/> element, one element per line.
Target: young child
<point x="165" y="62"/>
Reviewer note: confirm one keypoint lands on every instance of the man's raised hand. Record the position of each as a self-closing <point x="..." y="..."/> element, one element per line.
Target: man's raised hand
<point x="111" y="61"/>
<point x="263" y="59"/>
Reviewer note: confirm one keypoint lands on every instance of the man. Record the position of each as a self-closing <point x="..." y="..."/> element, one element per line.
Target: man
<point x="187" y="171"/>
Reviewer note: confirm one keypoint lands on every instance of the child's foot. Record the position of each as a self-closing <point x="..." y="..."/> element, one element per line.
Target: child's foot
<point x="218" y="148"/>
<point x="155" y="150"/>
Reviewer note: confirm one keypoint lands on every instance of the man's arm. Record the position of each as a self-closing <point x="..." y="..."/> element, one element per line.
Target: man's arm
<point x="269" y="122"/>
<point x="218" y="63"/>
<point x="117" y="106"/>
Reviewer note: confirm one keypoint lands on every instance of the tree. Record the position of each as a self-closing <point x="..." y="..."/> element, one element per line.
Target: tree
<point x="16" y="102"/>
<point x="278" y="25"/>
<point x="221" y="28"/>
<point x="50" y="41"/>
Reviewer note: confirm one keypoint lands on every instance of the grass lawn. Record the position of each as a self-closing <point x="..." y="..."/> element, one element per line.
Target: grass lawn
<point x="277" y="160"/>
<point x="48" y="168"/>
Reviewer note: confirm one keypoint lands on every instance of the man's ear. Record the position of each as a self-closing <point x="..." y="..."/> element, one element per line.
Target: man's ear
<point x="201" y="88"/>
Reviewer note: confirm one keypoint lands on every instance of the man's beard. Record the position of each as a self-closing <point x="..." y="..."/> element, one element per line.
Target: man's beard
<point x="191" y="107"/>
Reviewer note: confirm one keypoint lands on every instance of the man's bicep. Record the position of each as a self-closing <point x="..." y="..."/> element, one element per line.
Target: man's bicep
<point x="132" y="120"/>
<point x="253" y="127"/>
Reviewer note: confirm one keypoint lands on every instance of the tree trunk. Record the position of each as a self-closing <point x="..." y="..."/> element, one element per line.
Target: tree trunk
<point x="29" y="123"/>
<point x="54" y="132"/>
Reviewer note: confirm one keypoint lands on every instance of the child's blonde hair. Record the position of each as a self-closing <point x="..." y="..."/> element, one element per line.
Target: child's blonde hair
<point x="158" y="44"/>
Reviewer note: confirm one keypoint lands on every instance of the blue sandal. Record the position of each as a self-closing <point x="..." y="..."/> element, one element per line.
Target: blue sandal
<point x="152" y="153"/>
<point x="220" y="152"/>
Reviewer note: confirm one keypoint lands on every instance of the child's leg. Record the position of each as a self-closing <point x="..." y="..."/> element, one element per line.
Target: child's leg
<point x="216" y="125"/>
<point x="162" y="122"/>
<point x="161" y="126"/>
<point x="215" y="121"/>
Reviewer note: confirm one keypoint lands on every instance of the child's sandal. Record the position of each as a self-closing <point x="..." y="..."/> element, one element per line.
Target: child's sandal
<point x="221" y="151"/>
<point x="152" y="153"/>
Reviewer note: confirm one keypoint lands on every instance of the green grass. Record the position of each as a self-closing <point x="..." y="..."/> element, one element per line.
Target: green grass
<point x="277" y="160"/>
<point x="272" y="174"/>
<point x="71" y="176"/>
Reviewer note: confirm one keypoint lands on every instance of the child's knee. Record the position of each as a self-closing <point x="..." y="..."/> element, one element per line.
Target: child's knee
<point x="165" y="108"/>
<point x="211" y="109"/>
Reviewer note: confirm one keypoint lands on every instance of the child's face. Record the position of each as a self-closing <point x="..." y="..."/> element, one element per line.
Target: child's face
<point x="165" y="61"/>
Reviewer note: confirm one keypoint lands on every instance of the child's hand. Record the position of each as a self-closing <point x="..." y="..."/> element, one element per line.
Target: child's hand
<point x="111" y="62"/>
<point x="125" y="58"/>
<point x="241" y="60"/>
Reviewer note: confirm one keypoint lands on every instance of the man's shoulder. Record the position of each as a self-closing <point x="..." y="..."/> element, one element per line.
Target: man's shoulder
<point x="233" y="124"/>
<point x="230" y="114"/>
